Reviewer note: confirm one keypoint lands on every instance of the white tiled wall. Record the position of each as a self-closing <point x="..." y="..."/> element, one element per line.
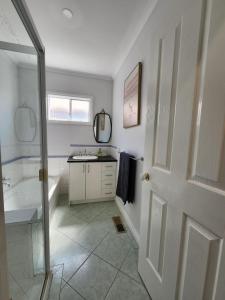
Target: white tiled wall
<point x="20" y="169"/>
<point x="59" y="167"/>
<point x="31" y="167"/>
<point x="13" y="172"/>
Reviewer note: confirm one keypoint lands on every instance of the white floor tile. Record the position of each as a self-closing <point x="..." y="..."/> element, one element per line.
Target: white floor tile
<point x="130" y="265"/>
<point x="16" y="291"/>
<point x="93" y="279"/>
<point x="68" y="293"/>
<point x="92" y="235"/>
<point x="114" y="248"/>
<point x="126" y="288"/>
<point x="26" y="280"/>
<point x="67" y="252"/>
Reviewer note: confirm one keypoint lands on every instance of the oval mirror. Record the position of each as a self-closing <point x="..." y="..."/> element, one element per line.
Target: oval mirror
<point x="102" y="127"/>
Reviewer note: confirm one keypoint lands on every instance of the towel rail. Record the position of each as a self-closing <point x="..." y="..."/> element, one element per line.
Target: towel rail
<point x="139" y="158"/>
<point x="134" y="158"/>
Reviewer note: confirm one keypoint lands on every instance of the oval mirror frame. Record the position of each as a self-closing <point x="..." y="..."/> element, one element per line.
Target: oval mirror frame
<point x="94" y="132"/>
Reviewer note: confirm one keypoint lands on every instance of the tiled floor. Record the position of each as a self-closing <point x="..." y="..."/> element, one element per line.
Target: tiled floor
<point x="24" y="285"/>
<point x="98" y="262"/>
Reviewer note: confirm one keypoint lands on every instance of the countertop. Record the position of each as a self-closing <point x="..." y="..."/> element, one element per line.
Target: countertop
<point x="100" y="159"/>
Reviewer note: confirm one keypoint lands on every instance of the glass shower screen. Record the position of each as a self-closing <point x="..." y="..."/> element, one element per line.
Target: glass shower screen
<point x="21" y="137"/>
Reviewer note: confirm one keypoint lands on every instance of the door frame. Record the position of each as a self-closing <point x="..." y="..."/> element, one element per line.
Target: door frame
<point x="26" y="18"/>
<point x="4" y="284"/>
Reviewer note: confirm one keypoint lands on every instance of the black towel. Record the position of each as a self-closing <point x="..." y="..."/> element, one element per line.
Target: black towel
<point x="126" y="179"/>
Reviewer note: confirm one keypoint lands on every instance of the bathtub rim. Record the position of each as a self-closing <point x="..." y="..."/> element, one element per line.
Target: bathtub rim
<point x="25" y="214"/>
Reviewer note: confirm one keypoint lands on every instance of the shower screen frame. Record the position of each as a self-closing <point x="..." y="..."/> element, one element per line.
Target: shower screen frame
<point x="28" y="23"/>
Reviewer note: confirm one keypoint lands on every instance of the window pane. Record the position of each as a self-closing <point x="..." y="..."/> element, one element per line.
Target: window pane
<point x="80" y="111"/>
<point x="58" y="108"/>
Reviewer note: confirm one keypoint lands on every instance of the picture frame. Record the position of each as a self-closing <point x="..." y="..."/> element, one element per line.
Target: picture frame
<point x="132" y="97"/>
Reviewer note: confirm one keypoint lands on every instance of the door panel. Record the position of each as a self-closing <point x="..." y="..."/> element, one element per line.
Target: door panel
<point x="200" y="256"/>
<point x="93" y="181"/>
<point x="168" y="56"/>
<point x="208" y="122"/>
<point x="77" y="181"/>
<point x="156" y="233"/>
<point x="182" y="253"/>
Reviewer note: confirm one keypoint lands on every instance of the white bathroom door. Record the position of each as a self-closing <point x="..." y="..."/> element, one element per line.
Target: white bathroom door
<point x="182" y="245"/>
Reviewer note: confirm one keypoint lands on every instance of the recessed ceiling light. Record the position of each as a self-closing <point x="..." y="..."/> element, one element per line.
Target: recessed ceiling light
<point x="66" y="12"/>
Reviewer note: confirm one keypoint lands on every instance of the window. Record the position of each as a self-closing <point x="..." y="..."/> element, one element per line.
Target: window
<point x="69" y="109"/>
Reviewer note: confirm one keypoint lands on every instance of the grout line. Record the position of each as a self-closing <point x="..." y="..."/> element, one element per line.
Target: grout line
<point x="67" y="283"/>
<point x="19" y="286"/>
<point x="112" y="284"/>
<point x="142" y="282"/>
<point x="124" y="273"/>
<point x="118" y="268"/>
<point x="64" y="284"/>
<point x="91" y="253"/>
<point x="107" y="262"/>
<point x="78" y="268"/>
<point x="75" y="242"/>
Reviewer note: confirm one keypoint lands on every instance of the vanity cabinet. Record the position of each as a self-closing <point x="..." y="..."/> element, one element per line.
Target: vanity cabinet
<point x="91" y="181"/>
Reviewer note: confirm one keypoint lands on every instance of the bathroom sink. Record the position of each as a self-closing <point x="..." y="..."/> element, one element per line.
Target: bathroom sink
<point x="84" y="157"/>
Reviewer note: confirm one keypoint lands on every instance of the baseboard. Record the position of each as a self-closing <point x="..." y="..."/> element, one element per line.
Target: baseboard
<point x="128" y="220"/>
<point x="90" y="201"/>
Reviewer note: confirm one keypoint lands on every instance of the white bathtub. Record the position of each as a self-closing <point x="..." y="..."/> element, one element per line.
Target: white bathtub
<point x="27" y="194"/>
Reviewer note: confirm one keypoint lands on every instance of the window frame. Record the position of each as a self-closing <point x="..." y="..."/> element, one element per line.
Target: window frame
<point x="71" y="97"/>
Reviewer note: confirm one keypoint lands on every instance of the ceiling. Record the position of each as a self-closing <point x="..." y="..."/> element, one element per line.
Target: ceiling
<point x="11" y="27"/>
<point x="96" y="39"/>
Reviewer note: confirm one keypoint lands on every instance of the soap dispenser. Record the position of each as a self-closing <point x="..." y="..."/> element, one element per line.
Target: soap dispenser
<point x="99" y="153"/>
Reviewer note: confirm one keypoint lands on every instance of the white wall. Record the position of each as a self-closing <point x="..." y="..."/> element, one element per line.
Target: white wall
<point x="8" y="103"/>
<point x="132" y="139"/>
<point x="61" y="136"/>
<point x="17" y="86"/>
<point x="28" y="89"/>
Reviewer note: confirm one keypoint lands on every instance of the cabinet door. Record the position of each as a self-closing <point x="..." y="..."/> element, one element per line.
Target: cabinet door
<point x="93" y="181"/>
<point x="77" y="182"/>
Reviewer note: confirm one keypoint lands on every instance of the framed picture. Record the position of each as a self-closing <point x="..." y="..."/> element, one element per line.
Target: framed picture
<point x="132" y="98"/>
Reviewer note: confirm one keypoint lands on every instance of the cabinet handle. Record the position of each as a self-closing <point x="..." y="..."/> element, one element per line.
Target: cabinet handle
<point x="108" y="184"/>
<point x="88" y="168"/>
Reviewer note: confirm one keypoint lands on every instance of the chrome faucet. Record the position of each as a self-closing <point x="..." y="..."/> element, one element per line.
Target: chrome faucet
<point x="5" y="181"/>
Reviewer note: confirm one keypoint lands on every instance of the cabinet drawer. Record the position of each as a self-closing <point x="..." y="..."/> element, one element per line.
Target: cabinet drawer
<point x="108" y="175"/>
<point x="107" y="193"/>
<point x="108" y="184"/>
<point x="108" y="166"/>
